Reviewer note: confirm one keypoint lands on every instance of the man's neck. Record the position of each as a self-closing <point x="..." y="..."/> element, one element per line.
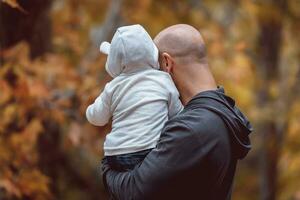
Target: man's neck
<point x="188" y="94"/>
<point x="192" y="85"/>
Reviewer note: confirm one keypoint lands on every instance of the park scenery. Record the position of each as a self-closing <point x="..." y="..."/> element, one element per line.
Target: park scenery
<point x="51" y="70"/>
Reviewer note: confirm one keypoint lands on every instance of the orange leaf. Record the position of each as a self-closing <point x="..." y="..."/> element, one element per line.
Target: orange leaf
<point x="10" y="187"/>
<point x="38" y="89"/>
<point x="74" y="135"/>
<point x="5" y="92"/>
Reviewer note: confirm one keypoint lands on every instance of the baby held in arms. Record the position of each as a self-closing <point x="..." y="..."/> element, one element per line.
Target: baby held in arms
<point x="140" y="98"/>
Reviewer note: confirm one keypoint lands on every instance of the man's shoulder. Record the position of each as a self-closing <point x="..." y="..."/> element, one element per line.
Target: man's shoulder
<point x="201" y="129"/>
<point x="199" y="121"/>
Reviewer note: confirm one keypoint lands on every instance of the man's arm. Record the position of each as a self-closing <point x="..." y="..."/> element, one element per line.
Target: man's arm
<point x="170" y="158"/>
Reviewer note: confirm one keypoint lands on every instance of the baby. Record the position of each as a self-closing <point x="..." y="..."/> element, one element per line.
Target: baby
<point x="140" y="98"/>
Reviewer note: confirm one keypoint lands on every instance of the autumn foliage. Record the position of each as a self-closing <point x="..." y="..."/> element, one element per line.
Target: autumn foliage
<point x="49" y="151"/>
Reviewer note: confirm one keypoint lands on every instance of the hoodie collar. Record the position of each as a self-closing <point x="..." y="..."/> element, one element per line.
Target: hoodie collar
<point x="224" y="106"/>
<point x="208" y="93"/>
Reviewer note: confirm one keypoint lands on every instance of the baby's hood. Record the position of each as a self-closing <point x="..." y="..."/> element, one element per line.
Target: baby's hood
<point x="131" y="50"/>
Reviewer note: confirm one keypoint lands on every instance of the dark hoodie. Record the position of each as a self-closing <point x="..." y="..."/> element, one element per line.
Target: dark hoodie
<point x="195" y="157"/>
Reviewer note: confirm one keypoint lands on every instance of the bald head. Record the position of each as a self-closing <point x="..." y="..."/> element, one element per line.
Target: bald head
<point x="182" y="41"/>
<point x="183" y="56"/>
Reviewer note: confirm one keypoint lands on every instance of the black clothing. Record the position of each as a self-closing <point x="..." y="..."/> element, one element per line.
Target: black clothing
<point x="126" y="162"/>
<point x="195" y="157"/>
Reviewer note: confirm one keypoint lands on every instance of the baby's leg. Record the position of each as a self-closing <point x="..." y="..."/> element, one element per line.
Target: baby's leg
<point x="126" y="162"/>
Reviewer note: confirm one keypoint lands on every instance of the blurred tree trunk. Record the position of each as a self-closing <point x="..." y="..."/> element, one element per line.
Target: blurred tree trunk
<point x="112" y="21"/>
<point x="274" y="124"/>
<point x="104" y="31"/>
<point x="33" y="26"/>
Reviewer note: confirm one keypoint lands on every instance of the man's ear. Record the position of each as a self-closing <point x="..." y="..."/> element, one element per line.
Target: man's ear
<point x="168" y="62"/>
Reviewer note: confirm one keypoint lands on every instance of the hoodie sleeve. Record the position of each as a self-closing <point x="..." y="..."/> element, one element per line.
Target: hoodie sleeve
<point x="99" y="113"/>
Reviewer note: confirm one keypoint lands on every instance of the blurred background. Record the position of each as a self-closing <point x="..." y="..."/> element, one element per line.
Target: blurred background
<point x="51" y="70"/>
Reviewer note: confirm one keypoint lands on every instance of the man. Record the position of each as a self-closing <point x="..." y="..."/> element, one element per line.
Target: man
<point x="198" y="150"/>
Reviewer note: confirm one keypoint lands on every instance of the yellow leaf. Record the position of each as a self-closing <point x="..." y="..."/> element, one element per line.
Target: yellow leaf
<point x="8" y="114"/>
<point x="33" y="182"/>
<point x="15" y="4"/>
<point x="33" y="129"/>
<point x="12" y="3"/>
